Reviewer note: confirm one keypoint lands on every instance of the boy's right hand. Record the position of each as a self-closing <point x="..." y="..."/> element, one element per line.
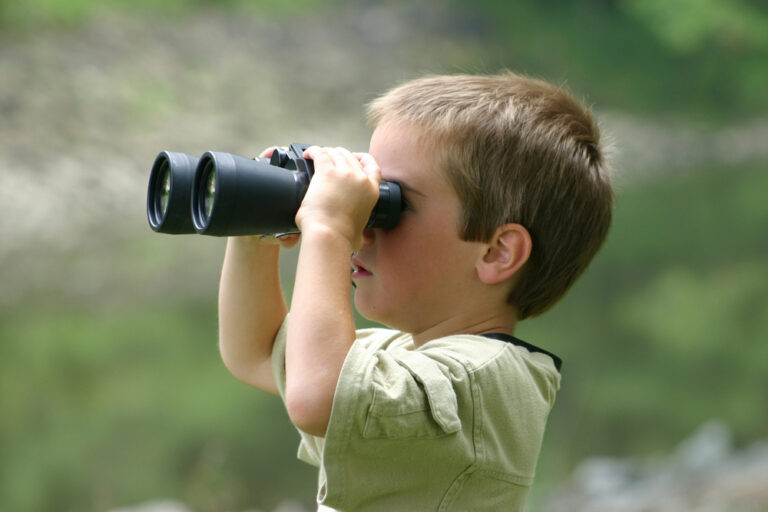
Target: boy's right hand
<point x="341" y="194"/>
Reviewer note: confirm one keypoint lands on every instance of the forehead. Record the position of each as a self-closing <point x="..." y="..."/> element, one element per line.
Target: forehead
<point x="404" y="152"/>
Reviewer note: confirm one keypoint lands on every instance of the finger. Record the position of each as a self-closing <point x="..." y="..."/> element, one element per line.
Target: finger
<point x="351" y="159"/>
<point x="287" y="240"/>
<point x="312" y="151"/>
<point x="370" y="166"/>
<point x="345" y="153"/>
<point x="268" y="152"/>
<point x="322" y="157"/>
<point x="337" y="158"/>
<point x="341" y="159"/>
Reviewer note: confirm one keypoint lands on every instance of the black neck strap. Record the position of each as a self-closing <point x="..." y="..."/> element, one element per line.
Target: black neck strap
<point x="532" y="348"/>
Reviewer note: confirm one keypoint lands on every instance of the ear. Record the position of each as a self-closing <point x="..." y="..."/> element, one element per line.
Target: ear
<point x="504" y="254"/>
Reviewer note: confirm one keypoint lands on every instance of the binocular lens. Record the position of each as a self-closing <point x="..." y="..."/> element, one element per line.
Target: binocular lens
<point x="170" y="185"/>
<point x="210" y="191"/>
<point x="163" y="192"/>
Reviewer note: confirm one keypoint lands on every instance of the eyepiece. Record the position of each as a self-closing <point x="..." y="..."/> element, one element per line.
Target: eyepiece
<point x="170" y="184"/>
<point x="387" y="210"/>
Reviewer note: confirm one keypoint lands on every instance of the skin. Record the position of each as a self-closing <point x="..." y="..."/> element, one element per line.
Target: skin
<point x="419" y="277"/>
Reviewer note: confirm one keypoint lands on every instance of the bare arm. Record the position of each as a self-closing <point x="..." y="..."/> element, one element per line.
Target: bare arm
<point x="251" y="310"/>
<point x="251" y="307"/>
<point x="321" y="331"/>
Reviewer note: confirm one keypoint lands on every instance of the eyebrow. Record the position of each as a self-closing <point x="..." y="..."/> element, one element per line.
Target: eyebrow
<point x="408" y="188"/>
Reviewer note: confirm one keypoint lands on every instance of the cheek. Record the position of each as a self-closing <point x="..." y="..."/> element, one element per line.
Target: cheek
<point x="418" y="264"/>
<point x="401" y="264"/>
<point x="418" y="252"/>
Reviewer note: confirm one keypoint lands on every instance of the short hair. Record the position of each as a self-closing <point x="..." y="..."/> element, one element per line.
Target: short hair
<point x="516" y="150"/>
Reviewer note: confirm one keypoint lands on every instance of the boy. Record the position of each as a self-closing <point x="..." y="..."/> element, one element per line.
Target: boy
<point x="507" y="200"/>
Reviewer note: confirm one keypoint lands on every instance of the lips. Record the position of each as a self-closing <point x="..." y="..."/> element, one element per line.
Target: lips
<point x="358" y="269"/>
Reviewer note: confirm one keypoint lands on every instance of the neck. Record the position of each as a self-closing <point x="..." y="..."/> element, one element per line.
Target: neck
<point x="503" y="322"/>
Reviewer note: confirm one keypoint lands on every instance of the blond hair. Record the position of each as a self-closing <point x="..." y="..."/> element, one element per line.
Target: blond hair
<point x="515" y="150"/>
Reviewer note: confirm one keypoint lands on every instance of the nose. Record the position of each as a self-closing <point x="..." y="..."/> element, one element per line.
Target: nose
<point x="368" y="236"/>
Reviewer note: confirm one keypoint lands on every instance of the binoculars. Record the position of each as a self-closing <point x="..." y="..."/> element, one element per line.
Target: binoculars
<point x="222" y="194"/>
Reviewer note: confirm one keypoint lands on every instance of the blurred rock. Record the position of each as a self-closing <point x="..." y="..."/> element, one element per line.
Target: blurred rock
<point x="679" y="147"/>
<point x="707" y="448"/>
<point x="703" y="474"/>
<point x="85" y="111"/>
<point x="155" y="506"/>
<point x="163" y="505"/>
<point x="290" y="506"/>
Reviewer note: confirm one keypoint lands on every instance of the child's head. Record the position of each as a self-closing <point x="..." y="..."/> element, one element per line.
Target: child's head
<point x="515" y="150"/>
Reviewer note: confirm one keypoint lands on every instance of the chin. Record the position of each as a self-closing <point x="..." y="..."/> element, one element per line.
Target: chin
<point x="370" y="311"/>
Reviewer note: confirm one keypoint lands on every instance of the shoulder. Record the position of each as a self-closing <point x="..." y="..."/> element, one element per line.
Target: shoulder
<point x="373" y="345"/>
<point x="375" y="338"/>
<point x="472" y="350"/>
<point x="497" y="363"/>
<point x="477" y="351"/>
<point x="459" y="353"/>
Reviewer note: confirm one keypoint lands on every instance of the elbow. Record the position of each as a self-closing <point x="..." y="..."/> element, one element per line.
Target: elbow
<point x="309" y="412"/>
<point x="257" y="374"/>
<point x="233" y="364"/>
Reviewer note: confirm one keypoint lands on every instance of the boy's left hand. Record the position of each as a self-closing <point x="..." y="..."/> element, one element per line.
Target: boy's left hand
<point x="341" y="194"/>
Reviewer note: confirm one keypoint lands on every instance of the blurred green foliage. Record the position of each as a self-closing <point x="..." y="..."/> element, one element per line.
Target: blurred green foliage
<point x="702" y="59"/>
<point x="37" y="14"/>
<point x="688" y="25"/>
<point x="666" y="330"/>
<point x="108" y="408"/>
<point x="669" y="326"/>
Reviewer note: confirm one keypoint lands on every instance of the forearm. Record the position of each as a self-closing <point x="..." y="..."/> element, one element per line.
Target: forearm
<point x="321" y="329"/>
<point x="251" y="309"/>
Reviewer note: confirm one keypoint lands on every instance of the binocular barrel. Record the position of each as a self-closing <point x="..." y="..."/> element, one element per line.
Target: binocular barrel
<point x="222" y="194"/>
<point x="170" y="188"/>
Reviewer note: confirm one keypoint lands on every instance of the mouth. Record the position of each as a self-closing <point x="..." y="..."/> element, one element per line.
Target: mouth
<point x="358" y="270"/>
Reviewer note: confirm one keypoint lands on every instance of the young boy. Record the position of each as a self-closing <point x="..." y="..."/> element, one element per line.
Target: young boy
<point x="507" y="200"/>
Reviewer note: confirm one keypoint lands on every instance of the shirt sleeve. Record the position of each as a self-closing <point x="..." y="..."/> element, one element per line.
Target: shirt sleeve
<point x="390" y="409"/>
<point x="399" y="393"/>
<point x="385" y="396"/>
<point x="411" y="396"/>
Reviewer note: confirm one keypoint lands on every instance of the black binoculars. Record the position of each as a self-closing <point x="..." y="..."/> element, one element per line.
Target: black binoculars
<point x="222" y="194"/>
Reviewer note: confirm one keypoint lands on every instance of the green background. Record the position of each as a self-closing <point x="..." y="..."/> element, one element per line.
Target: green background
<point x="112" y="389"/>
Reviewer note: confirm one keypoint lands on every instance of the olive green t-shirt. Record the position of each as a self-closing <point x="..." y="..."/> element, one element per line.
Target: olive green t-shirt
<point x="453" y="425"/>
